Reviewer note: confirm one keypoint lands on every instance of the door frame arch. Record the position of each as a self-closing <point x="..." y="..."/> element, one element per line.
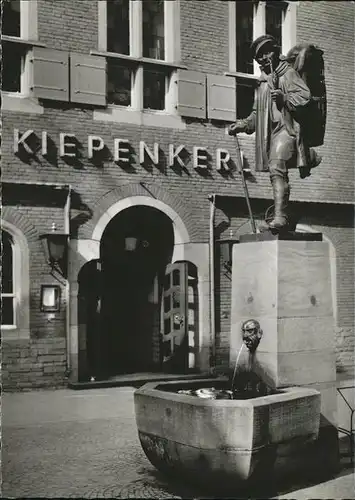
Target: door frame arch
<point x="83" y="250"/>
<point x="181" y="235"/>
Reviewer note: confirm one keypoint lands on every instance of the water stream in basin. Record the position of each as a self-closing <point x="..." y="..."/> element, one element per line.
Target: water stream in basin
<point x="212" y="392"/>
<point x="244" y="385"/>
<point x="236" y="366"/>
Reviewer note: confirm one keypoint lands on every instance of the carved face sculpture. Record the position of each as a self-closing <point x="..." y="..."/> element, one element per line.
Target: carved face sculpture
<point x="251" y="334"/>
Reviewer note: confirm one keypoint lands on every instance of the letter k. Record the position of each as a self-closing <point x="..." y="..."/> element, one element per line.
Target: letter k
<point x="22" y="140"/>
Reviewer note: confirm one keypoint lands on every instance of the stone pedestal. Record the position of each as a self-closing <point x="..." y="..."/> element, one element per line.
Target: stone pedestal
<point x="285" y="284"/>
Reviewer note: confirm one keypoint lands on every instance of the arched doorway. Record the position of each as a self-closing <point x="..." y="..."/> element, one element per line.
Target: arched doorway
<point x="182" y="324"/>
<point x="135" y="248"/>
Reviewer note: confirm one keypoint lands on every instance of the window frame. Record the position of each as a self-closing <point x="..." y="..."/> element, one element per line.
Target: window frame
<point x="136" y="60"/>
<point x="14" y="290"/>
<point x="23" y="101"/>
<point x="29" y="37"/>
<point x="288" y="36"/>
<point x="20" y="329"/>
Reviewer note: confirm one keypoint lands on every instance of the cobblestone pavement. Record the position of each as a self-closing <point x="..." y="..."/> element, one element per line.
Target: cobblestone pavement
<point x="84" y="444"/>
<point x="70" y="444"/>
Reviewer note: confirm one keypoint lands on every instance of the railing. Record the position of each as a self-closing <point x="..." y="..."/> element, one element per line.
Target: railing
<point x="348" y="432"/>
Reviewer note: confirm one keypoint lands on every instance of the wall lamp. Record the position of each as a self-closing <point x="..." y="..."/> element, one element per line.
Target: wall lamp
<point x="226" y="250"/>
<point x="131" y="243"/>
<point x="56" y="248"/>
<point x="50" y="298"/>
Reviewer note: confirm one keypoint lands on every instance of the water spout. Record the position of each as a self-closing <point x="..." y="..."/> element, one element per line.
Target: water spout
<point x="236" y="366"/>
<point x="251" y="334"/>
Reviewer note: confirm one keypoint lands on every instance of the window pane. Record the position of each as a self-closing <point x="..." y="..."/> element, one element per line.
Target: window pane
<point x="273" y="16"/>
<point x="244" y="34"/>
<point x="7" y="310"/>
<point x="153" y="29"/>
<point x="245" y="100"/>
<point x="6" y="263"/>
<point x="118" y="84"/>
<point x="118" y="26"/>
<point x="11" y="64"/>
<point x="154" y="90"/>
<point x="11" y="18"/>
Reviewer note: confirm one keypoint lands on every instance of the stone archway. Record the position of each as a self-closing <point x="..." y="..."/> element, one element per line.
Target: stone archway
<point x="181" y="235"/>
<point x="84" y="250"/>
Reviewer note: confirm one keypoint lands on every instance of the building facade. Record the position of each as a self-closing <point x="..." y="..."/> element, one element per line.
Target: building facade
<point x="115" y="117"/>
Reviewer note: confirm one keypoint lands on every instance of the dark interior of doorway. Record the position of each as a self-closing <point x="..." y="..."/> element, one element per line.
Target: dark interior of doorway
<point x="135" y="249"/>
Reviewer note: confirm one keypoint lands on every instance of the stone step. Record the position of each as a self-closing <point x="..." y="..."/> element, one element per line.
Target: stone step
<point x="136" y="379"/>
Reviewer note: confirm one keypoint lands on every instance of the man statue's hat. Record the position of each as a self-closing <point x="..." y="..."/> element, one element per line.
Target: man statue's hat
<point x="260" y="41"/>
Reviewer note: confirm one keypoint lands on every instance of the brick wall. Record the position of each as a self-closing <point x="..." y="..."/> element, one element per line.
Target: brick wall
<point x="91" y="181"/>
<point x="204" y="43"/>
<point x="33" y="221"/>
<point x="36" y="363"/>
<point x="204" y="36"/>
<point x="68" y="25"/>
<point x="39" y="361"/>
<point x="331" y="26"/>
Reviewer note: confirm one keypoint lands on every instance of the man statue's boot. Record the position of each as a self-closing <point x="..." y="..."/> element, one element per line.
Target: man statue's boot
<point x="281" y="195"/>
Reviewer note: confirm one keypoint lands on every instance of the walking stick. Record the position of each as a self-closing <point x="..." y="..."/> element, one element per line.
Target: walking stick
<point x="245" y="187"/>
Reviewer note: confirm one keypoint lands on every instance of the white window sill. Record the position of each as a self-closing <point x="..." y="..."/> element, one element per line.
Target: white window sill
<point x="252" y="78"/>
<point x="144" y="118"/>
<point x="20" y="103"/>
<point x="23" y="41"/>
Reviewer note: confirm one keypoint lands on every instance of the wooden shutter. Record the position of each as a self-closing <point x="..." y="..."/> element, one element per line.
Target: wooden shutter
<point x="50" y="74"/>
<point x="221" y="98"/>
<point x="191" y="94"/>
<point x="88" y="79"/>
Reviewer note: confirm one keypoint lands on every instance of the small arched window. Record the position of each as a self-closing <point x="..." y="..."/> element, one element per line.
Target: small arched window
<point x="14" y="283"/>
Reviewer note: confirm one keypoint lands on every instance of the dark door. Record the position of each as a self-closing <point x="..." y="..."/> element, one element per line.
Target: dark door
<point x="173" y="319"/>
<point x="91" y="346"/>
<point x="127" y="314"/>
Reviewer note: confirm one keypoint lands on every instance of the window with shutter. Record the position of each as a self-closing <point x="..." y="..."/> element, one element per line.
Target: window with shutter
<point x="50" y="74"/>
<point x="191" y="94"/>
<point x="221" y="98"/>
<point x="87" y="79"/>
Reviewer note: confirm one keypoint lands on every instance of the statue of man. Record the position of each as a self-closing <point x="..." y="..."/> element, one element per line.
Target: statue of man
<point x="281" y="97"/>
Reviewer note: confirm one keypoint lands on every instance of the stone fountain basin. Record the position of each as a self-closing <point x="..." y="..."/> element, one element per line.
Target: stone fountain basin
<point x="222" y="440"/>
